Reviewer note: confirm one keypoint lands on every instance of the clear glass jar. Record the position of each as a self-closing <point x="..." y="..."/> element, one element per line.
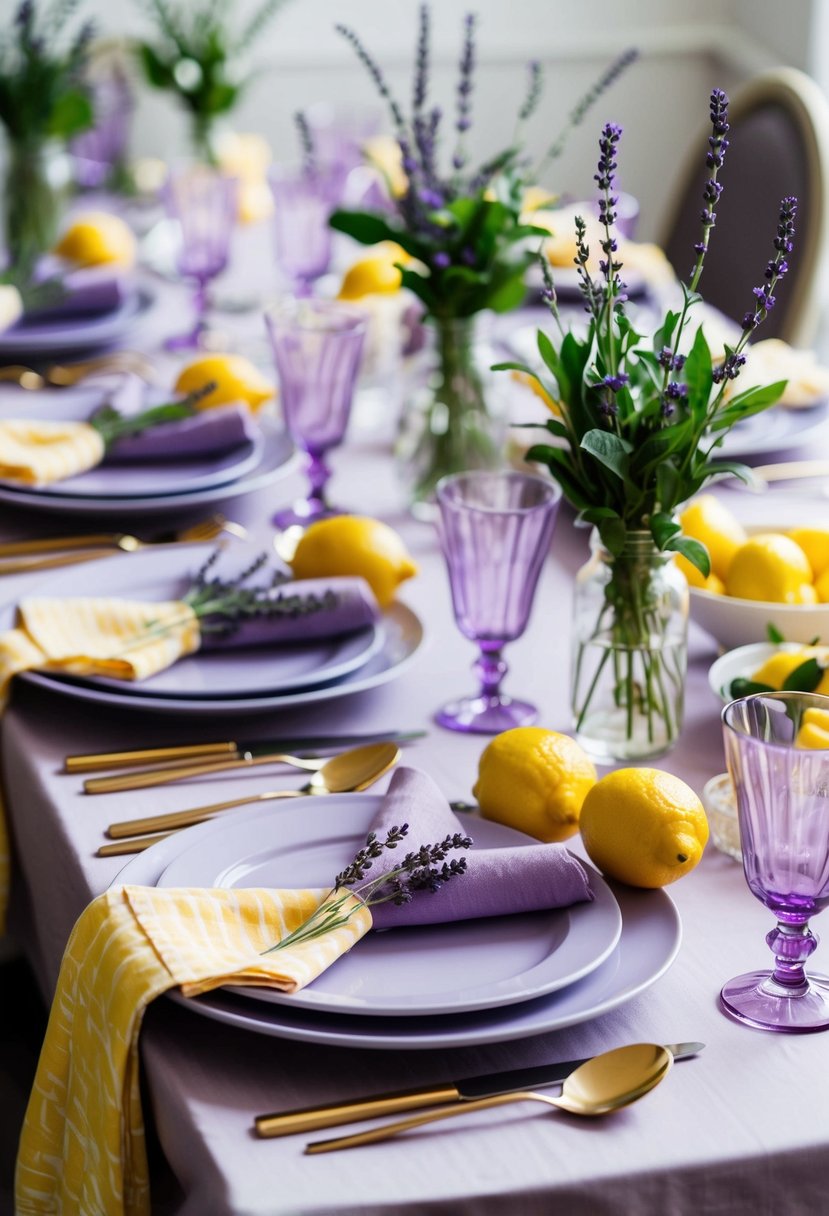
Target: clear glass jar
<point x="630" y="615"/>
<point x="37" y="180"/>
<point x="455" y="420"/>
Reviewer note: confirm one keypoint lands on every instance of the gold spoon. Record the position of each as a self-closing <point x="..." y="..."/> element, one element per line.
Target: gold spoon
<point x="604" y="1084"/>
<point x="347" y="773"/>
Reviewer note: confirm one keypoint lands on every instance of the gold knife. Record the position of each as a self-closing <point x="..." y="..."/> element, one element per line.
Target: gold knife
<point x="314" y="1118"/>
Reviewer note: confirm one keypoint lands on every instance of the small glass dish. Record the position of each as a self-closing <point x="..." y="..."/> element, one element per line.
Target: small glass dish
<point x="721" y="809"/>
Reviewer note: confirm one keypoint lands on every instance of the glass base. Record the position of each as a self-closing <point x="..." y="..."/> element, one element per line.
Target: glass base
<point x="303" y="513"/>
<point x="757" y="1000"/>
<point x="486" y="715"/>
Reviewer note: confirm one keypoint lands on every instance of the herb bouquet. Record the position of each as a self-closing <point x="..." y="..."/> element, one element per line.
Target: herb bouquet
<point x="43" y="102"/>
<point x="637" y="427"/>
<point x="200" y="58"/>
<point x="467" y="247"/>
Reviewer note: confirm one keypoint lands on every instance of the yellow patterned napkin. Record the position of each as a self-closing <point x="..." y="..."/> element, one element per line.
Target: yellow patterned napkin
<point x="121" y="638"/>
<point x="82" y="1147"/>
<point x="36" y="453"/>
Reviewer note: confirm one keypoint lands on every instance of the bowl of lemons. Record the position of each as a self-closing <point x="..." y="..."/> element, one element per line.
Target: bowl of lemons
<point x="763" y="578"/>
<point x="770" y="667"/>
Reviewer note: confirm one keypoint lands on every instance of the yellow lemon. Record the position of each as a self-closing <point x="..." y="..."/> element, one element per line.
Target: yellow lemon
<point x="643" y="826"/>
<point x="375" y="275"/>
<point x="822" y="588"/>
<point x="776" y="669"/>
<point x="236" y="379"/>
<point x="534" y="780"/>
<point x="358" y="546"/>
<point x="771" y="567"/>
<point x="708" y="521"/>
<point x="814" y="729"/>
<point x="96" y="237"/>
<point x="696" y="578"/>
<point x="815" y="544"/>
<point x="536" y="197"/>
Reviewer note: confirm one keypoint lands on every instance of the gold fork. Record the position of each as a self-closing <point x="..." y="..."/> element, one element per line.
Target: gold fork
<point x="24" y="553"/>
<point x="64" y="375"/>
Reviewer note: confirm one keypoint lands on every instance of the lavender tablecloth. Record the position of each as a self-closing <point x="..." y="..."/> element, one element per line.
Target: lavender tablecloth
<point x="742" y="1130"/>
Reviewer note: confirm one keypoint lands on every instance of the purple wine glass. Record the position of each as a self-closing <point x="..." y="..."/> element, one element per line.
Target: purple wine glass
<point x="203" y="203"/>
<point x="495" y="530"/>
<point x="303" y="202"/>
<point x="97" y="152"/>
<point x="782" y="794"/>
<point x="317" y="346"/>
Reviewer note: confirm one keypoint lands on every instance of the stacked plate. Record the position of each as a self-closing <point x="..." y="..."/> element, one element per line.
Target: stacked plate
<point x="238" y="681"/>
<point x="459" y="984"/>
<point x="51" y="337"/>
<point x="150" y="487"/>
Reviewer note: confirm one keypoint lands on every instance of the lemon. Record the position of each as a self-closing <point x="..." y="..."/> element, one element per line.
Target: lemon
<point x="814" y="729"/>
<point x="776" y="669"/>
<point x="534" y="780"/>
<point x="706" y="519"/>
<point x="96" y="237"/>
<point x="696" y="578"/>
<point x="374" y="275"/>
<point x="355" y="545"/>
<point x="236" y="379"/>
<point x="822" y="588"/>
<point x="815" y="544"/>
<point x="643" y="826"/>
<point x="771" y="567"/>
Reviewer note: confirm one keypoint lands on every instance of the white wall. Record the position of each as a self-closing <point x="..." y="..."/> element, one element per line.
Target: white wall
<point x="687" y="47"/>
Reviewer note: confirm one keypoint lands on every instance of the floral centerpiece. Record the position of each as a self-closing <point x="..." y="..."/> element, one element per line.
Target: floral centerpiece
<point x="465" y="236"/>
<point x="200" y="58"/>
<point x="43" y="101"/>
<point x="637" y="425"/>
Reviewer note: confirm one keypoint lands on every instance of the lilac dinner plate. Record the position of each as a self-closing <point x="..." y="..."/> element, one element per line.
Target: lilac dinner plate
<point x="255" y="671"/>
<point x="47" y="339"/>
<point x="649" y="942"/>
<point x="429" y="969"/>
<point x="143" y="479"/>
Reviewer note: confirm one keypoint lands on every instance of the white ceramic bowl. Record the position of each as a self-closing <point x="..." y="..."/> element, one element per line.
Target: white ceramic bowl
<point x="742" y="662"/>
<point x="736" y="622"/>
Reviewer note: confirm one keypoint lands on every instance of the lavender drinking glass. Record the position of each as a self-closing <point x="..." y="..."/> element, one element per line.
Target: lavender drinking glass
<point x="99" y="151"/>
<point x="303" y="202"/>
<point x="203" y="203"/>
<point x="783" y="806"/>
<point x="317" y="346"/>
<point x="495" y="530"/>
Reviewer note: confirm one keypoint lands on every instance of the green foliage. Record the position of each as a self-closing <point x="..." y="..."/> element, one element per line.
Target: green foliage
<point x="197" y="53"/>
<point x="42" y="89"/>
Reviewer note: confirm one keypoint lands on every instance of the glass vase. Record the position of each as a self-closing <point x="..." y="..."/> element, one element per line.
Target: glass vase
<point x="629" y="651"/>
<point x="34" y="188"/>
<point x="453" y="421"/>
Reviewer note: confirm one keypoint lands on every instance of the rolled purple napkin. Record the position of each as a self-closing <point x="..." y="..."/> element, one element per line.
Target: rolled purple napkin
<point x="209" y="432"/>
<point x="346" y="604"/>
<point x="85" y="292"/>
<point x="497" y="882"/>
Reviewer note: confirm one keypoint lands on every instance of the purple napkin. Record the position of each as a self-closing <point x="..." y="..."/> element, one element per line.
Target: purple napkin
<point x="354" y="607"/>
<point x="208" y="432"/>
<point x="497" y="882"/>
<point x="87" y="291"/>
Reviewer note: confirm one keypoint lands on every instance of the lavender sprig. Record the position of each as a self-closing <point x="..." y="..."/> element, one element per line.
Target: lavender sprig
<point x="309" y="152"/>
<point x="535" y="87"/>
<point x="223" y="605"/>
<point x="466" y="81"/>
<point x="585" y="104"/>
<point x="374" y="70"/>
<point x="424" y="869"/>
<point x="112" y="425"/>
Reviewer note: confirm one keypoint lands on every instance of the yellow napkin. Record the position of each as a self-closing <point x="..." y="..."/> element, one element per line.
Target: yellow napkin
<point x="36" y="453"/>
<point x="121" y="638"/>
<point x="82" y="1146"/>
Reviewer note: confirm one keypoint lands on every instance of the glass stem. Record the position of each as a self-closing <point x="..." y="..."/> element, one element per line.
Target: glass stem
<point x="792" y="945"/>
<point x="490" y="669"/>
<point x="318" y="474"/>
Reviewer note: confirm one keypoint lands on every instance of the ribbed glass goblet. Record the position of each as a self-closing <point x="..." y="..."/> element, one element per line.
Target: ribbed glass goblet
<point x="782" y="794"/>
<point x="495" y="529"/>
<point x="303" y="202"/>
<point x="203" y="203"/>
<point x="317" y="347"/>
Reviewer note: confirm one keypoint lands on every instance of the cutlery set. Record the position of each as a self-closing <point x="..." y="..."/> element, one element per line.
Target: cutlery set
<point x="65" y="375"/>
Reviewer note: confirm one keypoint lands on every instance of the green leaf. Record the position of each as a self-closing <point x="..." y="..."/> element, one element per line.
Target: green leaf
<point x="695" y="552"/>
<point x="367" y="227"/>
<point x="158" y="73"/>
<point x="804" y="678"/>
<point x="558" y="462"/>
<point x="698" y="368"/>
<point x="773" y="634"/>
<point x="663" y="528"/>
<point x="71" y="113"/>
<point x="509" y="294"/>
<point x="752" y="401"/>
<point x="595" y="515"/>
<point x="613" y="535"/>
<point x="610" y="450"/>
<point x="551" y="358"/>
<point x="741" y="687"/>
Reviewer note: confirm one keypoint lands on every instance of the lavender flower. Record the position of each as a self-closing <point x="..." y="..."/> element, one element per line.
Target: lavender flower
<point x="714" y="159"/>
<point x="309" y="157"/>
<point x="421" y="80"/>
<point x="534" y="89"/>
<point x="466" y="78"/>
<point x="729" y="369"/>
<point x="373" y="68"/>
<point x="776" y="269"/>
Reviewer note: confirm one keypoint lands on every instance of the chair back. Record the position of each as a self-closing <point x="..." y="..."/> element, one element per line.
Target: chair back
<point x="778" y="146"/>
